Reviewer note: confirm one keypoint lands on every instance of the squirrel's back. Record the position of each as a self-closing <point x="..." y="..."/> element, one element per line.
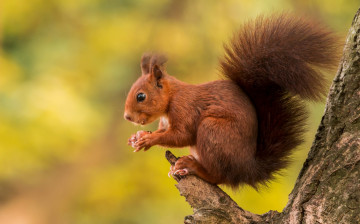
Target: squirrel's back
<point x="275" y="60"/>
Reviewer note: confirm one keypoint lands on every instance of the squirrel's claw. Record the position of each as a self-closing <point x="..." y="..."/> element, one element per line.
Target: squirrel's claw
<point x="171" y="172"/>
<point x="181" y="172"/>
<point x="132" y="140"/>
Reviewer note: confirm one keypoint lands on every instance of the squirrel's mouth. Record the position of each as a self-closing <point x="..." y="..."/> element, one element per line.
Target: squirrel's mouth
<point x="143" y="119"/>
<point x="147" y="120"/>
<point x="139" y="122"/>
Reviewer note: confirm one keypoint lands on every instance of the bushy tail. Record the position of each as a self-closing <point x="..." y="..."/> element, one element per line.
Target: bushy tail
<point x="274" y="59"/>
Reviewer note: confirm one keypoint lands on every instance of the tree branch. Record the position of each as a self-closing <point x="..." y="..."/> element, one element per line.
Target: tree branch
<point x="210" y="203"/>
<point x="327" y="189"/>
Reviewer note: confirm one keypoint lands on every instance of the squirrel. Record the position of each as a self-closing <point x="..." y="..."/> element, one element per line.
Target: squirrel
<point x="241" y="129"/>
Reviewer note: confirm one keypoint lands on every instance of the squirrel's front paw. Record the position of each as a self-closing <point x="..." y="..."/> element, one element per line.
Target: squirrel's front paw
<point x="134" y="140"/>
<point x="145" y="141"/>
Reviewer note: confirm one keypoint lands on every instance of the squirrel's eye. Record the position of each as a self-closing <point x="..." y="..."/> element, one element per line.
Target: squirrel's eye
<point x="140" y="97"/>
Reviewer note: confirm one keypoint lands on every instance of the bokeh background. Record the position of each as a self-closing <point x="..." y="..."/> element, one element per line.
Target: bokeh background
<point x="65" y="69"/>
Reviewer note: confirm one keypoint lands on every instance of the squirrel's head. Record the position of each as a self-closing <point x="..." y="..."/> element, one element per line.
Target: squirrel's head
<point x="148" y="97"/>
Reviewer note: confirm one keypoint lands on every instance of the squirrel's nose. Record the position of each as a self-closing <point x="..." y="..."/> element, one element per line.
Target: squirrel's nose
<point x="127" y="117"/>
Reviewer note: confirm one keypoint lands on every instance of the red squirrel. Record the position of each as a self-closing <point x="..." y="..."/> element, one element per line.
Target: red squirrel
<point x="240" y="130"/>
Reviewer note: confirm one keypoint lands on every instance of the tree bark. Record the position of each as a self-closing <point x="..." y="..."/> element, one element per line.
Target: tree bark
<point x="328" y="187"/>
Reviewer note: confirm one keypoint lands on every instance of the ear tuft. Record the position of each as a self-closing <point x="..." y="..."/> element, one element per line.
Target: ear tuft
<point x="153" y="63"/>
<point x="145" y="63"/>
<point x="157" y="65"/>
<point x="158" y="59"/>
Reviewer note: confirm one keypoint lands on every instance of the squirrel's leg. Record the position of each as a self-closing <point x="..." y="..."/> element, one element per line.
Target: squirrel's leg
<point x="226" y="148"/>
<point x="169" y="138"/>
<point x="189" y="165"/>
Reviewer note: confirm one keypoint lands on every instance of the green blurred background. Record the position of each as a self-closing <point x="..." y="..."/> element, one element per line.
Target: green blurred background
<point x="65" y="69"/>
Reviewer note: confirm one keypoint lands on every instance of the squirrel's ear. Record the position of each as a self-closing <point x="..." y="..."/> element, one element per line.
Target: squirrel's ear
<point x="156" y="72"/>
<point x="156" y="75"/>
<point x="157" y="68"/>
<point x="145" y="63"/>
